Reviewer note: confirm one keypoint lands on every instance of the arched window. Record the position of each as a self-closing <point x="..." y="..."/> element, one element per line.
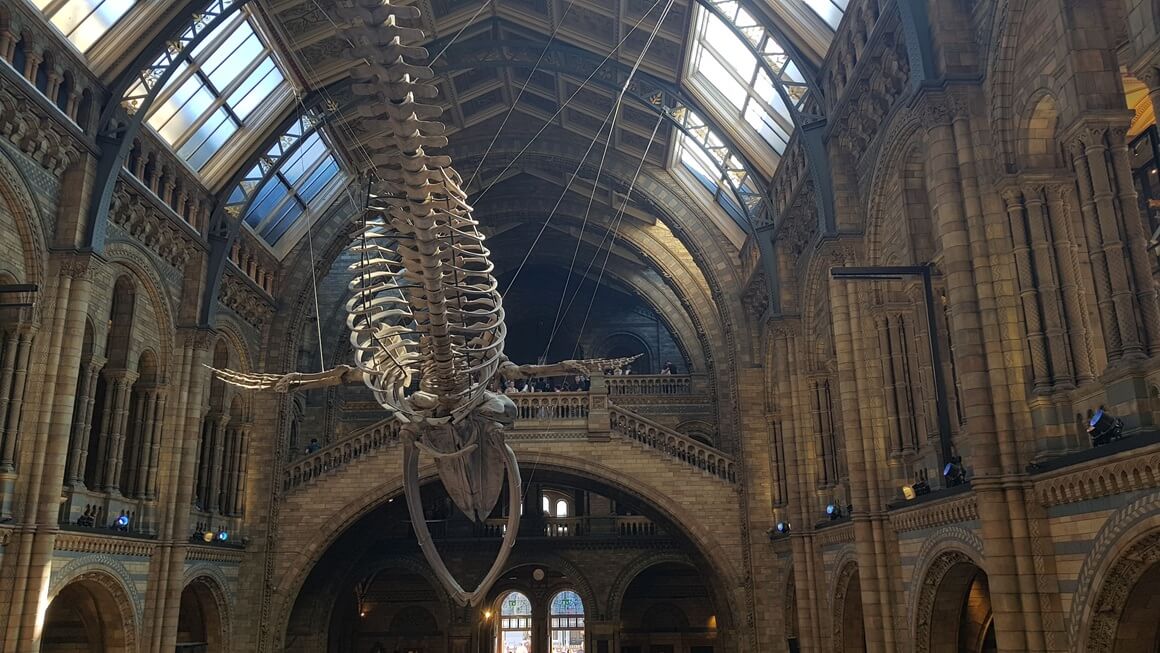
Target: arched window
<point x="515" y="624"/>
<point x="566" y="623"/>
<point x="547" y="504"/>
<point x="561" y="508"/>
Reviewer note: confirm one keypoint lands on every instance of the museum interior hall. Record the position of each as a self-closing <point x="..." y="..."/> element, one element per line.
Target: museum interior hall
<point x="579" y="326"/>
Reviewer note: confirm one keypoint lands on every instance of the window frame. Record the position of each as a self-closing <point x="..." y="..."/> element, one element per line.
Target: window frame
<point x="50" y="9"/>
<point x="501" y="620"/>
<point x="246" y="130"/>
<point x="572" y="622"/>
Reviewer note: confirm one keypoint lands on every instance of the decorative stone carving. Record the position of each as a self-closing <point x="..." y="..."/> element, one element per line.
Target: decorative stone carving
<point x="151" y="227"/>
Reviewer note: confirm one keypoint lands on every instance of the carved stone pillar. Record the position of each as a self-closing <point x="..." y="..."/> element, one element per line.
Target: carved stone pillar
<point x="1101" y="276"/>
<point x="1058" y="206"/>
<point x="7" y="44"/>
<point x="229" y="468"/>
<point x="112" y="441"/>
<point x="32" y="62"/>
<point x="156" y="429"/>
<point x="217" y="449"/>
<point x="239" y="492"/>
<point x="1103" y="198"/>
<point x="1139" y="260"/>
<point x="13" y="383"/>
<point x="52" y="90"/>
<point x="1045" y="277"/>
<point x="83" y="422"/>
<point x="900" y="361"/>
<point x="889" y="387"/>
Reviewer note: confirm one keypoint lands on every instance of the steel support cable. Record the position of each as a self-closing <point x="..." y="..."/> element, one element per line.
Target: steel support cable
<point x="600" y="168"/>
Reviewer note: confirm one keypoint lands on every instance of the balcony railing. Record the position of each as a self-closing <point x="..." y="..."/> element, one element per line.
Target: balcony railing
<point x="337" y="454"/>
<point x="650" y="384"/>
<point x="611" y="526"/>
<point x="635" y="427"/>
<point x="552" y="406"/>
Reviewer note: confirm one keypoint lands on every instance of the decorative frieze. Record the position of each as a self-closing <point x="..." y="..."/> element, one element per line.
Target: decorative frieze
<point x="935" y="514"/>
<point x="151" y="226"/>
<point x="243" y="298"/>
<point x="103" y="544"/>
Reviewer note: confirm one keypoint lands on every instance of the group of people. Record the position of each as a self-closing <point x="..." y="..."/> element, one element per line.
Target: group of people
<point x="578" y="383"/>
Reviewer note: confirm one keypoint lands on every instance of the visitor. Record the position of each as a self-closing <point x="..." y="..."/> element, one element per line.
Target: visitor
<point x="667" y="370"/>
<point x="627" y="370"/>
<point x="313" y="446"/>
<point x="618" y="371"/>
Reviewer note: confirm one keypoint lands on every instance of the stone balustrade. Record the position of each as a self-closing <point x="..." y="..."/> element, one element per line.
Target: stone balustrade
<point x="650" y="384"/>
<point x="338" y="454"/>
<point x="556" y="410"/>
<point x="655" y="436"/>
<point x="551" y="406"/>
<point x="611" y="526"/>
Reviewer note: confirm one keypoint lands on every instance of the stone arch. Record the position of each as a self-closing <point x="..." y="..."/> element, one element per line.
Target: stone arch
<point x="699" y="430"/>
<point x="634" y="569"/>
<point x="1038" y="145"/>
<point x="112" y="593"/>
<point x="904" y="139"/>
<point x="206" y="586"/>
<point x="16" y="200"/>
<point x="143" y="273"/>
<point x="847" y="626"/>
<point x="579" y="582"/>
<point x="944" y="582"/>
<point x="1121" y="554"/>
<point x="722" y="570"/>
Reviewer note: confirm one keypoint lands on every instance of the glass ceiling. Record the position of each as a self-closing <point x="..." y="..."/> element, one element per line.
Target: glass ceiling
<point x="747" y="80"/>
<point x="84" y="21"/>
<point x="214" y="91"/>
<point x="311" y="172"/>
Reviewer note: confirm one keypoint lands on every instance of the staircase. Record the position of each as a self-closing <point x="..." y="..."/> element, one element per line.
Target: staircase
<point x="543" y="418"/>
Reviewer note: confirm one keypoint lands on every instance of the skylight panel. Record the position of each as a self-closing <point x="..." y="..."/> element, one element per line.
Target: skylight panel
<point x="736" y="85"/>
<point x="830" y="11"/>
<point x="84" y="22"/>
<point x="215" y="92"/>
<point x="296" y="190"/>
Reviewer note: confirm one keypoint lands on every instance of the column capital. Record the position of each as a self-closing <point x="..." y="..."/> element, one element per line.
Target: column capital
<point x="198" y="338"/>
<point x="1095" y="130"/>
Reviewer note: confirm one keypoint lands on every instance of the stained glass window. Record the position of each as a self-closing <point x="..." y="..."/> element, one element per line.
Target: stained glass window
<point x="215" y="91"/>
<point x="289" y="194"/>
<point x="515" y="624"/>
<point x="84" y="21"/>
<point x="566" y="624"/>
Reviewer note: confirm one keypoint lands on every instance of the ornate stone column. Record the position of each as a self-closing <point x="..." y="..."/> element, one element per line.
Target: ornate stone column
<point x="1027" y="291"/>
<point x="120" y="388"/>
<point x="83" y="422"/>
<point x="1101" y="276"/>
<point x="239" y="493"/>
<point x="1058" y="206"/>
<point x="219" y="433"/>
<point x="1140" y="263"/>
<point x="13" y="384"/>
<point x="1103" y="198"/>
<point x="1045" y="275"/>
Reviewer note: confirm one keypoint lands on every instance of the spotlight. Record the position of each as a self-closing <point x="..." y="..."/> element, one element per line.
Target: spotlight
<point x="782" y="527"/>
<point x="362" y="613"/>
<point x="1104" y="428"/>
<point x="207" y="536"/>
<point x="953" y="472"/>
<point x="223" y="535"/>
<point x="908" y="492"/>
<point x="834" y="511"/>
<point x="122" y="523"/>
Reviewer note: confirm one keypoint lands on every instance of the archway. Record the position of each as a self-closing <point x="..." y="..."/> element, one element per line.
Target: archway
<point x="849" y="627"/>
<point x="89" y="615"/>
<point x="199" y="623"/>
<point x="668" y="608"/>
<point x="1126" y="612"/>
<point x="955" y="613"/>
